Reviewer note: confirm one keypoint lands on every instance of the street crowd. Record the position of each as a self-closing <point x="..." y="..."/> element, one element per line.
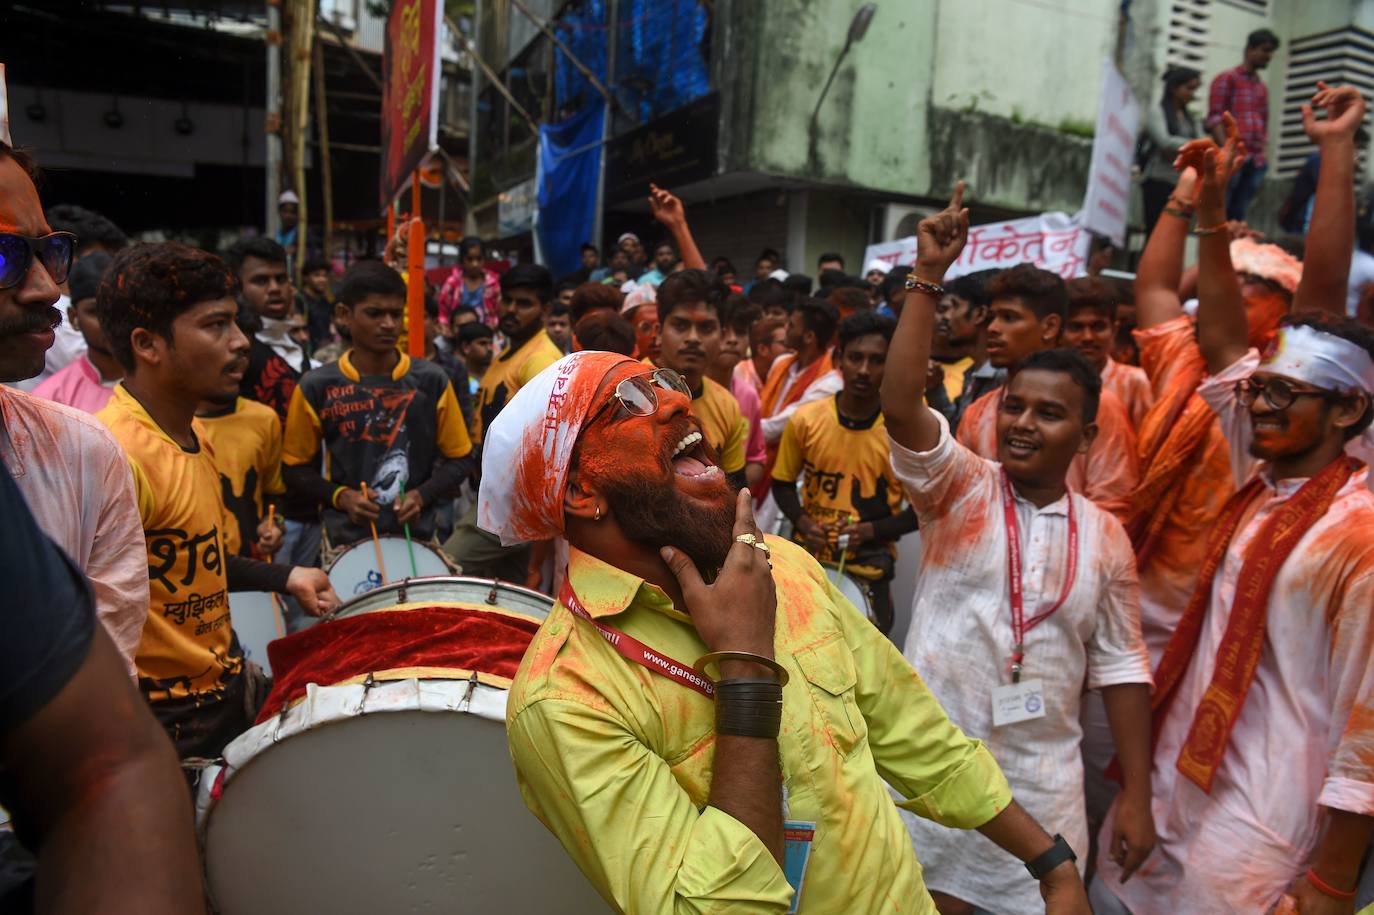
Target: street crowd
<point x="1138" y="674"/>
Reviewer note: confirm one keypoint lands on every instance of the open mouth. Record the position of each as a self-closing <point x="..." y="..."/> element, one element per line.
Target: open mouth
<point x="1021" y="447"/>
<point x="690" y="458"/>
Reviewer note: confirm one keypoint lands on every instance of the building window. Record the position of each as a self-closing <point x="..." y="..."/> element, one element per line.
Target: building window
<point x="1187" y="37"/>
<point x="1341" y="57"/>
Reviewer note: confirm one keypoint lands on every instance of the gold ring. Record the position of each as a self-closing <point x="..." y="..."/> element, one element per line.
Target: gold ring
<point x="753" y="541"/>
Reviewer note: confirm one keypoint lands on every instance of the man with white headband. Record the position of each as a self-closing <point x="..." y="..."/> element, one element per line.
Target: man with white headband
<point x="712" y="747"/>
<point x="1264" y="700"/>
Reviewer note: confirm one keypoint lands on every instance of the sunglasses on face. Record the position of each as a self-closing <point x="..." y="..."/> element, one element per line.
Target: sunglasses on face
<point x="1278" y="393"/>
<point x="17" y="252"/>
<point x="638" y="393"/>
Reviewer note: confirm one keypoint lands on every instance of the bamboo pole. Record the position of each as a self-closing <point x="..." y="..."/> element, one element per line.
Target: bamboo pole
<point x="326" y="167"/>
<point x="302" y="39"/>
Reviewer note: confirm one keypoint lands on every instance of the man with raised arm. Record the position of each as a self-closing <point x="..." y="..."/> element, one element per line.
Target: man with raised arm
<point x="1027" y="595"/>
<point x="701" y="705"/>
<point x="1263" y="744"/>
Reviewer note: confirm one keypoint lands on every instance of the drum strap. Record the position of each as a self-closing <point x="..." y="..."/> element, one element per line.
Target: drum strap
<point x="634" y="650"/>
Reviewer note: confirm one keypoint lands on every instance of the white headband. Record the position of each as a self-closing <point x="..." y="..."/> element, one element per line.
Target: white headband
<point x="1331" y="363"/>
<point x="1320" y="359"/>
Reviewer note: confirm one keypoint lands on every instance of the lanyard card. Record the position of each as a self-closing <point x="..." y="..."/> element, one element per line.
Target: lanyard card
<point x="1017" y="702"/>
<point x="797" y="836"/>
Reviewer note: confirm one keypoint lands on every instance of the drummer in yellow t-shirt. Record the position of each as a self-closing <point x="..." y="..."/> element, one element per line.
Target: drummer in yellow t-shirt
<point x="168" y="312"/>
<point x="690" y="313"/>
<point x="839" y="447"/>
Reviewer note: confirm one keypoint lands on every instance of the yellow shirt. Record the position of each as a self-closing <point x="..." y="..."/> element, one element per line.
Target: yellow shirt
<point x="616" y="760"/>
<point x="954" y="376"/>
<point x="508" y="373"/>
<point x="186" y="645"/>
<point x="246" y="443"/>
<point x="722" y="423"/>
<point x="846" y="469"/>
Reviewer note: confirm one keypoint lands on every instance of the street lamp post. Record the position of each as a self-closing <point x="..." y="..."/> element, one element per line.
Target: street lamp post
<point x="858" y="26"/>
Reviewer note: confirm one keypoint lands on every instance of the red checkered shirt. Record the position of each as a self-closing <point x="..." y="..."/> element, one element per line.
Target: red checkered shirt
<point x="1244" y="95"/>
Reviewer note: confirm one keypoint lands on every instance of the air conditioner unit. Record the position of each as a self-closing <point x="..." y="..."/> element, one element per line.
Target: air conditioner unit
<point x="892" y="221"/>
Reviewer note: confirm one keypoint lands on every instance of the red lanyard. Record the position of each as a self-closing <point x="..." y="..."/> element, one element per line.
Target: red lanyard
<point x="1019" y="624"/>
<point x="634" y="650"/>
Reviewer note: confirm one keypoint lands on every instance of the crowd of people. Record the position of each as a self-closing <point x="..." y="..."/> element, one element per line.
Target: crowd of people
<point x="1139" y="652"/>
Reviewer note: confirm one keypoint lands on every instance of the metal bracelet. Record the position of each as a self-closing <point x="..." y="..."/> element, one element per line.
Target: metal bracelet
<point x="1202" y="232"/>
<point x="717" y="656"/>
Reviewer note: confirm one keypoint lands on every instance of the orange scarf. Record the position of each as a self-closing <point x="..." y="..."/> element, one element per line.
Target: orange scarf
<point x="1167" y="452"/>
<point x="769" y="398"/>
<point x="777" y="375"/>
<point x="1243" y="641"/>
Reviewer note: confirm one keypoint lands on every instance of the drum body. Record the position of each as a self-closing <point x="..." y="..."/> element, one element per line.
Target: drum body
<point x="852" y="588"/>
<point x="355" y="570"/>
<point x="386" y="793"/>
<point x="257" y="621"/>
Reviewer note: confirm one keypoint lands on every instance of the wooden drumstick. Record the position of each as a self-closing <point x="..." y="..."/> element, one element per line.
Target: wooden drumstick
<point x="376" y="542"/>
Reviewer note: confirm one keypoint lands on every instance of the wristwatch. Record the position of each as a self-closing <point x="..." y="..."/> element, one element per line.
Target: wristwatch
<point x="1048" y="860"/>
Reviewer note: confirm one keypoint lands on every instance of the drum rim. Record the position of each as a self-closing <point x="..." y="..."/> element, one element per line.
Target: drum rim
<point x="399" y="583"/>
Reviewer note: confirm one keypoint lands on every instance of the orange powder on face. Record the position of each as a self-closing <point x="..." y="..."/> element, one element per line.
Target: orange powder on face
<point x="1264" y="309"/>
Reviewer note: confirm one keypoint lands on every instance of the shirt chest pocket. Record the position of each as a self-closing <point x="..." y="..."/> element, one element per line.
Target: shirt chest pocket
<point x="828" y="671"/>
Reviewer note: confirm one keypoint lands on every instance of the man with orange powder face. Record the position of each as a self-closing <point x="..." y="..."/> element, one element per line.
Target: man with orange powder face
<point x="1185" y="474"/>
<point x="1027" y="595"/>
<point x="701" y="705"/>
<point x="1263" y="733"/>
<point x="1026" y="314"/>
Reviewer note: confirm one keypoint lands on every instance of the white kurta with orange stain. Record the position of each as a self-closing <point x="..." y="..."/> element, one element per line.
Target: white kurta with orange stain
<point x="1305" y="735"/>
<point x="960" y="642"/>
<point x="78" y="485"/>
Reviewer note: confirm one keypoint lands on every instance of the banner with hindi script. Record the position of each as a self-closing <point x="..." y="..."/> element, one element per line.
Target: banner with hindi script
<point x="410" y="94"/>
<point x="1107" y="204"/>
<point x="1051" y="241"/>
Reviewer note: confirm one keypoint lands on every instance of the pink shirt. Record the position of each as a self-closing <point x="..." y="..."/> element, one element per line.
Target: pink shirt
<point x="77" y="385"/>
<point x="755" y="448"/>
<point x="77" y="482"/>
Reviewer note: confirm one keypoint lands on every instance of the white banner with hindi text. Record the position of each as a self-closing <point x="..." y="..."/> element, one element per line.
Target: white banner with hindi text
<point x="1051" y="241"/>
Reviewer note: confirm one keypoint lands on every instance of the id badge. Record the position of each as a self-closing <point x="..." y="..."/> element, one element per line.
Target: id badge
<point x="797" y="836"/>
<point x="1018" y="702"/>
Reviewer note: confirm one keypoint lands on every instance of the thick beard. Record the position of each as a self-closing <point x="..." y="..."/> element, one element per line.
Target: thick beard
<point x="658" y="516"/>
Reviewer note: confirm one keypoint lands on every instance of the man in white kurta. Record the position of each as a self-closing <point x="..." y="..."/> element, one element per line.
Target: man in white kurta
<point x="961" y="641"/>
<point x="1304" y="737"/>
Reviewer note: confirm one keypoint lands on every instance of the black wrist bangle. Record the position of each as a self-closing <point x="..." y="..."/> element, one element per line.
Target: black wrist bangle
<point x="1048" y="860"/>
<point x="745" y="688"/>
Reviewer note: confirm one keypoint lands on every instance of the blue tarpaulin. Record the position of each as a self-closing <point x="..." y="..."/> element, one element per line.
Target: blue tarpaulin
<point x="569" y="161"/>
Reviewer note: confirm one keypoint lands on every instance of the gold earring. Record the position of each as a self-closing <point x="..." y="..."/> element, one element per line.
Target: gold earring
<point x="597" y="516"/>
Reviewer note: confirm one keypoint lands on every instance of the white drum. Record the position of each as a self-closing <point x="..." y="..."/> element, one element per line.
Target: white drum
<point x="386" y="796"/>
<point x="355" y="570"/>
<point x="448" y="589"/>
<point x="257" y="621"/>
<point x="853" y="589"/>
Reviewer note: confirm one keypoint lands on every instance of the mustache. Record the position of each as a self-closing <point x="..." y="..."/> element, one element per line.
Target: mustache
<point x="31" y="321"/>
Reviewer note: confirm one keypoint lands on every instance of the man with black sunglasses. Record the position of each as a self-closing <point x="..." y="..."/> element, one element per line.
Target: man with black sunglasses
<point x="72" y="473"/>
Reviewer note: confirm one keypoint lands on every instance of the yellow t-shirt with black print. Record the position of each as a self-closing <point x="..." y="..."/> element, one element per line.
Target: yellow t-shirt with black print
<point x="187" y="641"/>
<point x="844" y="468"/>
<point x="246" y="443"/>
<point x="722" y="423"/>
<point x="508" y="373"/>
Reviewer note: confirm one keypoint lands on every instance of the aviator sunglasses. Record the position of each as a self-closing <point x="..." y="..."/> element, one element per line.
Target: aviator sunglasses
<point x="17" y="252"/>
<point x="637" y="394"/>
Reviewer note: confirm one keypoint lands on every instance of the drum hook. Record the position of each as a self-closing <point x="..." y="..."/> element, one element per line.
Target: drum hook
<point x="401" y="591"/>
<point x="472" y="688"/>
<point x="491" y="595"/>
<point x="368" y="683"/>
